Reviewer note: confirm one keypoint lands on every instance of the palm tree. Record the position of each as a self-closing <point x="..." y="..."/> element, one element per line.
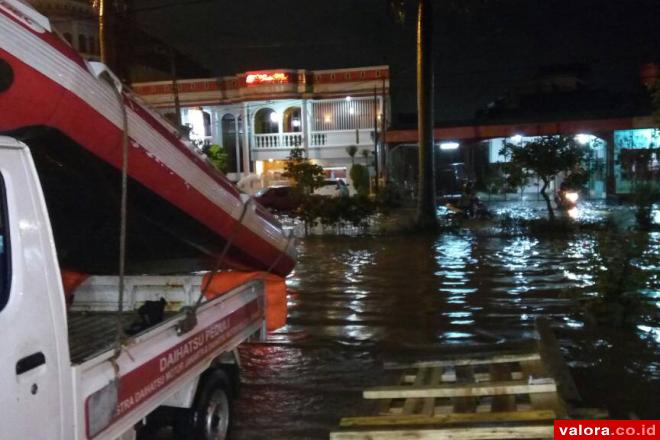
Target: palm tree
<point x="352" y="150"/>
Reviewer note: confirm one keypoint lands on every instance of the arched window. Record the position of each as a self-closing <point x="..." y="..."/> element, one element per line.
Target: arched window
<point x="291" y="120"/>
<point x="266" y="121"/>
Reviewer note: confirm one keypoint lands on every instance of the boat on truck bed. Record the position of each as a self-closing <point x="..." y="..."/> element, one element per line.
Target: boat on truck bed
<point x="181" y="210"/>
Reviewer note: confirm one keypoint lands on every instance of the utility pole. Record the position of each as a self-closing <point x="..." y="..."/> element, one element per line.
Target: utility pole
<point x="426" y="209"/>
<point x="102" y="43"/>
<point x="376" y="189"/>
<point x="383" y="131"/>
<point x="175" y="87"/>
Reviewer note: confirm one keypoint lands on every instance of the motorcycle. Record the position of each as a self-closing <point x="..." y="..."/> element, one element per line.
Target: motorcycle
<point x="567" y="200"/>
<point x="473" y="209"/>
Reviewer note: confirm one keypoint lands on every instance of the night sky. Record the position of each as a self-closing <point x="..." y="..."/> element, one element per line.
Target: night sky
<point x="480" y="51"/>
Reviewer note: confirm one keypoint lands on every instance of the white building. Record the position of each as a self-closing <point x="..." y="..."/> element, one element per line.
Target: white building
<point x="258" y="117"/>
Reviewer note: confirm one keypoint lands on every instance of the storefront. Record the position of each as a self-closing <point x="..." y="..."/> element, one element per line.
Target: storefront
<point x="636" y="158"/>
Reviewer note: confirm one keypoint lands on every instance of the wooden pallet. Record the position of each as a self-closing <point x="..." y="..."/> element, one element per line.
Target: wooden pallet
<point x="473" y="396"/>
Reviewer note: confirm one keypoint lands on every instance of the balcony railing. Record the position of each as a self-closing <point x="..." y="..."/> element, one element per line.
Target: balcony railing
<point x="338" y="138"/>
<point x="317" y="139"/>
<point x="277" y="140"/>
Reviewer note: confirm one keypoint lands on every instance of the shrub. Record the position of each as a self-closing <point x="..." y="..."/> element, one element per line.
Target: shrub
<point x="389" y="198"/>
<point x="217" y="156"/>
<point x="360" y="177"/>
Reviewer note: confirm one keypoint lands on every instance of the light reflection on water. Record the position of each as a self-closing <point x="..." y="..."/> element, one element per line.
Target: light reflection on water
<point x="359" y="301"/>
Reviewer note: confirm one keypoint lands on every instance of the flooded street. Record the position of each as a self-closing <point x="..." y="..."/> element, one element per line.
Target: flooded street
<point x="357" y="301"/>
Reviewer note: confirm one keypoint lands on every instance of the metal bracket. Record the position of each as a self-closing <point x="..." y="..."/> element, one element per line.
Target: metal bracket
<point x="188" y="322"/>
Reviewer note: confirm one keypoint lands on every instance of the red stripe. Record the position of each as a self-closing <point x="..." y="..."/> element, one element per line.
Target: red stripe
<point x="52" y="40"/>
<point x="149" y="378"/>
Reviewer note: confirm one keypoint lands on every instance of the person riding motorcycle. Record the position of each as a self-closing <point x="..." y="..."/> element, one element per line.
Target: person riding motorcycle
<point x="566" y="198"/>
<point x="470" y="204"/>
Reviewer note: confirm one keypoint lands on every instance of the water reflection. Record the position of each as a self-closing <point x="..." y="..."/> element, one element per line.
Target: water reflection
<point x="518" y="257"/>
<point x="356" y="302"/>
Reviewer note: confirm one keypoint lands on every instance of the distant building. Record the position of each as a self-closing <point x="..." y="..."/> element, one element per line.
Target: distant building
<point x="623" y="137"/>
<point x="259" y="116"/>
<point x="138" y="57"/>
<point x="75" y="20"/>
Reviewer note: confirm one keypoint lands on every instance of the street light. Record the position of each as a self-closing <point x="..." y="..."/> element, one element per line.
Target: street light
<point x="446" y="146"/>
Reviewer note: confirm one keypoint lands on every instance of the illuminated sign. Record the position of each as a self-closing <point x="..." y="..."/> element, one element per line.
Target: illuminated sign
<point x="253" y="79"/>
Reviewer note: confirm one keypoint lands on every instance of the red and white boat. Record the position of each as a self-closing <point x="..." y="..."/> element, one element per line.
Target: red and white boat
<point x="181" y="211"/>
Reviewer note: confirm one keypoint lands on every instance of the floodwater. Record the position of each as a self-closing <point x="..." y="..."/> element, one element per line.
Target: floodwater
<point x="358" y="301"/>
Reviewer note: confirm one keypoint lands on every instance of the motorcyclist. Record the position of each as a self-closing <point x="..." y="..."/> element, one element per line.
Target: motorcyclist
<point x="470" y="204"/>
<point x="561" y="199"/>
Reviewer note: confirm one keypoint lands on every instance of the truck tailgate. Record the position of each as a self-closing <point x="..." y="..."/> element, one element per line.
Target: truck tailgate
<point x="112" y="394"/>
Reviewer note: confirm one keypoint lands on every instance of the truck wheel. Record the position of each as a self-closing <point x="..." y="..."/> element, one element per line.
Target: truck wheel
<point x="213" y="416"/>
<point x="210" y="416"/>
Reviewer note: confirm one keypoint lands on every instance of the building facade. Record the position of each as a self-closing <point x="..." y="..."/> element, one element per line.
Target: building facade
<point x="625" y="152"/>
<point x="76" y="21"/>
<point x="259" y="116"/>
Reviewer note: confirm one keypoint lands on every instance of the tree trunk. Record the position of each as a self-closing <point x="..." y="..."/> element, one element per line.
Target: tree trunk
<point x="426" y="209"/>
<point x="546" y="197"/>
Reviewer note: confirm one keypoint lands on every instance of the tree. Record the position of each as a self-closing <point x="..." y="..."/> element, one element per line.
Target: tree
<point x="308" y="176"/>
<point x="217" y="156"/>
<point x="546" y="157"/>
<point x="360" y="178"/>
<point x="515" y="177"/>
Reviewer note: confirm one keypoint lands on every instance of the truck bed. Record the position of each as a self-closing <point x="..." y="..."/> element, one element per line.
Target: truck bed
<point x="92" y="319"/>
<point x="157" y="361"/>
<point x="91" y="333"/>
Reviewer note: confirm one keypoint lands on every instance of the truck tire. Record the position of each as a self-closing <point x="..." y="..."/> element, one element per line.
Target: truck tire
<point x="210" y="417"/>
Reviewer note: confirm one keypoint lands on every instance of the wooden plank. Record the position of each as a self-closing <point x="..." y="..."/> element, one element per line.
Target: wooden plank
<point x="412" y="404"/>
<point x="465" y="376"/>
<point x="428" y="407"/>
<point x="384" y="405"/>
<point x="501" y="372"/>
<point x="450" y="376"/>
<point x="554" y="361"/>
<point x="485" y="433"/>
<point x="459" y="390"/>
<point x="473" y="360"/>
<point x="450" y="419"/>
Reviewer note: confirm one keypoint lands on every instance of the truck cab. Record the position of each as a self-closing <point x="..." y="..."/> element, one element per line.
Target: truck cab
<point x="32" y="309"/>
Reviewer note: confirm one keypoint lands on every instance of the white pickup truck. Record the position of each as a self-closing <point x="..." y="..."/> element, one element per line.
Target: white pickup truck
<point x="65" y="377"/>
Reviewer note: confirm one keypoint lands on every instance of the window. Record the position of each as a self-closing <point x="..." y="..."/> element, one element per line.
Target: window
<point x="5" y="262"/>
<point x="291" y="120"/>
<point x="266" y="121"/>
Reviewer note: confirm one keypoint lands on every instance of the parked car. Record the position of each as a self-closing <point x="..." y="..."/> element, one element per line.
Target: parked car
<point x="278" y="198"/>
<point x="332" y="188"/>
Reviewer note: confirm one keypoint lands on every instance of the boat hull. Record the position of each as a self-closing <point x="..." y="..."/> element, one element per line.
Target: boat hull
<point x="180" y="208"/>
